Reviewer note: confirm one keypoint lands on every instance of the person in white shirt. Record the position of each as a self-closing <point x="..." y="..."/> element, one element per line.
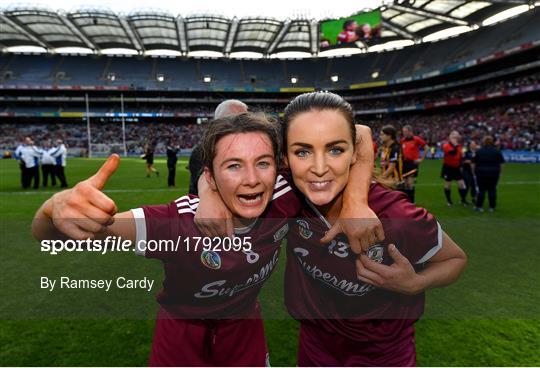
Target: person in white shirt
<point x="30" y="156"/>
<point x="48" y="164"/>
<point x="17" y="156"/>
<point x="60" y="155"/>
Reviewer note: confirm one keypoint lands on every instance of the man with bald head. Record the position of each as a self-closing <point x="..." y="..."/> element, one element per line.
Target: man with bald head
<point x="195" y="166"/>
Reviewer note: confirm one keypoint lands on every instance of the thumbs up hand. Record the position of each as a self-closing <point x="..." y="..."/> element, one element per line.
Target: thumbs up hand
<point x="106" y="170"/>
<point x="84" y="211"/>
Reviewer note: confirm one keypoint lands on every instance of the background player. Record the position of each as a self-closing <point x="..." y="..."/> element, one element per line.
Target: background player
<point x="410" y="146"/>
<point x="29" y="156"/>
<point x="391" y="156"/>
<point x="487" y="165"/>
<point x="149" y="158"/>
<point x="451" y="169"/>
<point x="48" y="164"/>
<point x="172" y="159"/>
<point x="60" y="157"/>
<point x="467" y="170"/>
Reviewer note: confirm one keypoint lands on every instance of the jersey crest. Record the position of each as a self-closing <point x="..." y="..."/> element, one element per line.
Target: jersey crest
<point x="280" y="234"/>
<point x="211" y="259"/>
<point x="303" y="229"/>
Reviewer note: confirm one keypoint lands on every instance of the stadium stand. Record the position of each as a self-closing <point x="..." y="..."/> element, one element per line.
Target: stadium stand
<point x="269" y="73"/>
<point x="25" y="69"/>
<point x="71" y="66"/>
<point x="272" y="74"/>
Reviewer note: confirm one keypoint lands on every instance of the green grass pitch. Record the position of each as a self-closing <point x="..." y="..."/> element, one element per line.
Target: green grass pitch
<point x="490" y="317"/>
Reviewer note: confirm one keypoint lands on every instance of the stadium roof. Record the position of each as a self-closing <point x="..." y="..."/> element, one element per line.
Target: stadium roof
<point x="97" y="30"/>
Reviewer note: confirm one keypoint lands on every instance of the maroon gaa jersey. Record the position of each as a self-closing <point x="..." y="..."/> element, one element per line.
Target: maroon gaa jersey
<point x="321" y="286"/>
<point x="213" y="284"/>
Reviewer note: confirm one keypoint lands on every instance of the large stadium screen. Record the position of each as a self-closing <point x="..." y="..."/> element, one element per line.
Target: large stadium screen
<point x="349" y="31"/>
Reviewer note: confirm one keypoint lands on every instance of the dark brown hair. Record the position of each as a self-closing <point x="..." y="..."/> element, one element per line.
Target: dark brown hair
<point x="390" y="130"/>
<point x="488" y="141"/>
<point x="317" y="101"/>
<point x="242" y="123"/>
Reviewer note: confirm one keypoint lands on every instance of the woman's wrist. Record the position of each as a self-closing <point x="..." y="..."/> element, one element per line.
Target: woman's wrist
<point x="419" y="284"/>
<point x="355" y="201"/>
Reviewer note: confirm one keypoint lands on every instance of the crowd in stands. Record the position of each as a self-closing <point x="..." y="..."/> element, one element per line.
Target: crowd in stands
<point x="11" y="135"/>
<point x="514" y="126"/>
<point x="104" y="133"/>
<point x="157" y="134"/>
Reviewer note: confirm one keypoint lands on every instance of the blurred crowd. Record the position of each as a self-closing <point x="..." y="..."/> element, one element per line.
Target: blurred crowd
<point x="514" y="126"/>
<point x="158" y="135"/>
<point x="104" y="133"/>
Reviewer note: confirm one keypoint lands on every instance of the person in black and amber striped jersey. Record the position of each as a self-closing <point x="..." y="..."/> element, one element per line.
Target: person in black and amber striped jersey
<point x="391" y="156"/>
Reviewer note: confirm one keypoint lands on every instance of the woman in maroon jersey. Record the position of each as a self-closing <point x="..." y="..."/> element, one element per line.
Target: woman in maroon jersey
<point x="354" y="312"/>
<point x="209" y="314"/>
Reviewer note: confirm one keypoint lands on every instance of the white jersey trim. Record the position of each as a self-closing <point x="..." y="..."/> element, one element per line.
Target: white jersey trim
<point x="436" y="248"/>
<point x="281" y="192"/>
<point x="192" y="206"/>
<point x="190" y="200"/>
<point x="185" y="210"/>
<point x="140" y="226"/>
<point x="280" y="181"/>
